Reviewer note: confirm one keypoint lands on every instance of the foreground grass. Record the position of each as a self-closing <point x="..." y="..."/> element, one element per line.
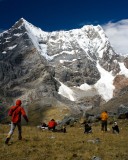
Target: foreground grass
<point x="73" y="145"/>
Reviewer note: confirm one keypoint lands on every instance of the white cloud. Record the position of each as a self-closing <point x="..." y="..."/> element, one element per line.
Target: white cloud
<point x="118" y="35"/>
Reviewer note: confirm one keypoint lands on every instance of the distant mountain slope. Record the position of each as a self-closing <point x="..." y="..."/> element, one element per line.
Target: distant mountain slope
<point x="73" y="67"/>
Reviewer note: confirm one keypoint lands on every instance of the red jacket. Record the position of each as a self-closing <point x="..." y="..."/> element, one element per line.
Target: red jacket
<point x="52" y="124"/>
<point x="16" y="112"/>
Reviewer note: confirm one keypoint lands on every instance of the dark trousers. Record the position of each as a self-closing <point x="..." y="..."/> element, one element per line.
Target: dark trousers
<point x="104" y="125"/>
<point x="115" y="129"/>
<point x="52" y="128"/>
<point x="13" y="126"/>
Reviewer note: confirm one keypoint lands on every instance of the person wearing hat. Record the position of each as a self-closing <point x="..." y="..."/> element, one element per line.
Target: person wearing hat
<point x="15" y="112"/>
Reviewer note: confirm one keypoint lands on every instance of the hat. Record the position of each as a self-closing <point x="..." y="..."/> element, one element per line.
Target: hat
<point x="115" y="123"/>
<point x="18" y="102"/>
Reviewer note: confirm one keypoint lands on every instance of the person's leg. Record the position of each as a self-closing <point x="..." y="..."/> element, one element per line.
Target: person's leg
<point x="49" y="128"/>
<point x="90" y="130"/>
<point x="105" y="125"/>
<point x="64" y="129"/>
<point x="19" y="131"/>
<point x="118" y="129"/>
<point x="13" y="126"/>
<point x="102" y="126"/>
<point x="85" y="130"/>
<point x="54" y="128"/>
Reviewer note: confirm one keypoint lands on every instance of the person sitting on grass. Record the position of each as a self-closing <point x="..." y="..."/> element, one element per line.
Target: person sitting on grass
<point x="115" y="128"/>
<point x="44" y="126"/>
<point x="52" y="125"/>
<point x="87" y="128"/>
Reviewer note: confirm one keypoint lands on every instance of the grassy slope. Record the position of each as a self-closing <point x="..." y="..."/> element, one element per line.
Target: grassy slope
<point x="73" y="145"/>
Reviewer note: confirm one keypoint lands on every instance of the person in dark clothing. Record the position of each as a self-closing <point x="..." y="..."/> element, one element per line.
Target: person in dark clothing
<point x="44" y="124"/>
<point x="115" y="128"/>
<point x="87" y="128"/>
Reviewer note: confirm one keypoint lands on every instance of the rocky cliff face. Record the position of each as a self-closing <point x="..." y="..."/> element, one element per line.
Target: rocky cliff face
<point x="126" y="62"/>
<point x="120" y="82"/>
<point x="67" y="66"/>
<point x="23" y="71"/>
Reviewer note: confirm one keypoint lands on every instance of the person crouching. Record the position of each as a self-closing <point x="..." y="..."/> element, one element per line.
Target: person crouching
<point x="52" y="125"/>
<point x="87" y="128"/>
<point x="115" y="128"/>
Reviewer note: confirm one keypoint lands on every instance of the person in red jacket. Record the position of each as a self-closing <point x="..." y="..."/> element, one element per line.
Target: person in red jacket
<point x="52" y="124"/>
<point x="15" y="112"/>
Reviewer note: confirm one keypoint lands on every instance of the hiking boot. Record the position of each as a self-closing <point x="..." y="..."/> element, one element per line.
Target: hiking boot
<point x="20" y="138"/>
<point x="7" y="140"/>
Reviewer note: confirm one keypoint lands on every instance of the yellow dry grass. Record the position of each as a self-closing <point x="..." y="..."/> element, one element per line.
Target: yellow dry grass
<point x="73" y="145"/>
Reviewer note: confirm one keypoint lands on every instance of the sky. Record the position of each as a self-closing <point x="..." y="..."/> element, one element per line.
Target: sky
<point x="55" y="15"/>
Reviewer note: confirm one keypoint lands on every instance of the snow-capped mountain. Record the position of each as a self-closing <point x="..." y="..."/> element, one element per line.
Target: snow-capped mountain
<point x="76" y="64"/>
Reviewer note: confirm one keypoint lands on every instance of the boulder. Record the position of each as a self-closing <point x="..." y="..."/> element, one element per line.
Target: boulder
<point x="123" y="111"/>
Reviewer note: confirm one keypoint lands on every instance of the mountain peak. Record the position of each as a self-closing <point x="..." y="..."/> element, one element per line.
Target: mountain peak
<point x="19" y="23"/>
<point x="22" y="19"/>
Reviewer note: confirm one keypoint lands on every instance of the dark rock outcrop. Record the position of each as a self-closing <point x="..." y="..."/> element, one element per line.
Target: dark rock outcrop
<point x="23" y="71"/>
<point x="123" y="111"/>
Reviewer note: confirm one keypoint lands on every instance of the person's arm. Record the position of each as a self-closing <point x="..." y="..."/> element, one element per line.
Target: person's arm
<point x="107" y="116"/>
<point x="26" y="118"/>
<point x="55" y="123"/>
<point x="24" y="114"/>
<point x="10" y="112"/>
<point x="101" y="116"/>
